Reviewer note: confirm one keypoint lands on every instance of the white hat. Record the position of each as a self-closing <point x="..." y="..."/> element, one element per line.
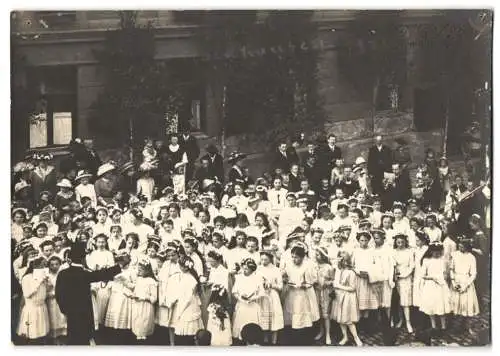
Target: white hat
<point x="360" y="160"/>
<point x="105" y="168"/>
<point x="20" y="186"/>
<point x="65" y="183"/>
<point x="82" y="174"/>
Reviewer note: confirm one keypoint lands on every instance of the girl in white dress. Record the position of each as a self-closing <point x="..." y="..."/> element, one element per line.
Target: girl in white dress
<point x="270" y="303"/>
<point x="384" y="256"/>
<point x="219" y="322"/>
<point x="34" y="322"/>
<point x="364" y="263"/>
<point x="431" y="229"/>
<point x="115" y="239"/>
<point x="300" y="307"/>
<point x="339" y="244"/>
<point x="247" y="291"/>
<point x="168" y="280"/>
<point x="422" y="243"/>
<point x="144" y="299"/>
<point x="324" y="287"/>
<point x="387" y="225"/>
<point x="464" y="302"/>
<point x="186" y="316"/>
<point x="345" y="309"/>
<point x="102" y="225"/>
<point x="434" y="285"/>
<point x="58" y="324"/>
<point x="119" y="312"/>
<point x="403" y="271"/>
<point x="98" y="259"/>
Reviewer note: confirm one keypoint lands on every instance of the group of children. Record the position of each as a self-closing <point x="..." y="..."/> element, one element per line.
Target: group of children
<point x="295" y="269"/>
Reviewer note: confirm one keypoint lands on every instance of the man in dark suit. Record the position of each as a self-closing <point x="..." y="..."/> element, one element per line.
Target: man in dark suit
<point x="284" y="157"/>
<point x="204" y="174"/>
<point x="92" y="159"/>
<point x="379" y="161"/>
<point x="400" y="189"/>
<point x="215" y="162"/>
<point x="74" y="297"/>
<point x="189" y="144"/>
<point x="329" y="153"/>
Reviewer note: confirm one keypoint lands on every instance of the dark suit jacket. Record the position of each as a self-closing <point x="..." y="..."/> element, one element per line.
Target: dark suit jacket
<point x="284" y="162"/>
<point x="294" y="185"/>
<point x="217" y="166"/>
<point x="327" y="159"/>
<point x="235" y="177"/>
<point x="74" y="299"/>
<point x="379" y="161"/>
<point x="190" y="146"/>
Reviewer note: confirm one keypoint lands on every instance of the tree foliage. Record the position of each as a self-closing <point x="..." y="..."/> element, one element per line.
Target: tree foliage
<point x="137" y="91"/>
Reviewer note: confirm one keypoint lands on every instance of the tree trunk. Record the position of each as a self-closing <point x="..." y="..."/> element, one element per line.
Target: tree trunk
<point x="371" y="124"/>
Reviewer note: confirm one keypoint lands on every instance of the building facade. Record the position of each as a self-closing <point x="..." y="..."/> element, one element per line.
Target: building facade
<point x="55" y="70"/>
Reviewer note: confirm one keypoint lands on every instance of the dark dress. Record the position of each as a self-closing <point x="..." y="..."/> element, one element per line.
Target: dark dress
<point x="235" y="175"/>
<point x="74" y="299"/>
<point x="216" y="165"/>
<point x="190" y="146"/>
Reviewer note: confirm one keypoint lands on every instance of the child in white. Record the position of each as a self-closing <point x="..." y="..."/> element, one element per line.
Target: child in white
<point x="143" y="301"/>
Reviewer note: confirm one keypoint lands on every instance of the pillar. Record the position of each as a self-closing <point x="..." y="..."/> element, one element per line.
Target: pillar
<point x="412" y="66"/>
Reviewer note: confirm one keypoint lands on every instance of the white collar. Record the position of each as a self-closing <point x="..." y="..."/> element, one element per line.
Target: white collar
<point x="76" y="265"/>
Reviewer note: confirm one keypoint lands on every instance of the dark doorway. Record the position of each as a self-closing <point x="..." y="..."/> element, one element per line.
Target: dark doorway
<point x="430" y="110"/>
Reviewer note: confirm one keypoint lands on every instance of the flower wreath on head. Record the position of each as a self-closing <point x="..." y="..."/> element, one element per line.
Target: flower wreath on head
<point x="188" y="263"/>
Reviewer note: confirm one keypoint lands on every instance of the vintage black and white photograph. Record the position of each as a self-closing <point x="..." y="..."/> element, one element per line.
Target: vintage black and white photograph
<point x="251" y="177"/>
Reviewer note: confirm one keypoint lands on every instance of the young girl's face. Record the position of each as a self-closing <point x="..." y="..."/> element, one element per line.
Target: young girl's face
<point x="41" y="232"/>
<point x="216" y="242"/>
<point x="363" y="242"/>
<point x="251" y="246"/>
<point x="130" y="242"/>
<point x="378" y="239"/>
<point x="265" y="260"/>
<point x="430" y="223"/>
<point x="342" y="212"/>
<point x="318" y="256"/>
<point x="115" y="233"/>
<point x="277" y="184"/>
<point x="101" y="216"/>
<point x="400" y="243"/>
<point x="212" y="262"/>
<point x="258" y="221"/>
<point x="188" y="248"/>
<point x="387" y="223"/>
<point x="172" y="212"/>
<point x="58" y="246"/>
<point x="398" y="214"/>
<point x="246" y="270"/>
<point x="461" y="247"/>
<point x="48" y="250"/>
<point x="151" y="252"/>
<point x="377" y="206"/>
<point x="219" y="225"/>
<point x="141" y="271"/>
<point x="354" y="217"/>
<point x="297" y="260"/>
<point x="338" y="240"/>
<point x="419" y="243"/>
<point x="238" y="190"/>
<point x="117" y="215"/>
<point x="18" y="218"/>
<point x="339" y="194"/>
<point x="240" y="240"/>
<point x="100" y="243"/>
<point x="85" y="181"/>
<point x="316" y="237"/>
<point x="163" y="214"/>
<point x="54" y="266"/>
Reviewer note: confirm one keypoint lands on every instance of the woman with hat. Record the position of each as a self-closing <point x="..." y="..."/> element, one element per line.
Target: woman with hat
<point x="43" y="176"/>
<point x="247" y="291"/>
<point x="106" y="183"/>
<point x="434" y="287"/>
<point x="84" y="187"/>
<point x="271" y="311"/>
<point x="404" y="264"/>
<point x="65" y="195"/>
<point x="236" y="174"/>
<point x="146" y="183"/>
<point x="463" y="272"/>
<point x="127" y="178"/>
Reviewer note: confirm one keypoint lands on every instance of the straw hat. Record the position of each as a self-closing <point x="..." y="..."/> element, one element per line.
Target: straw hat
<point x="82" y="174"/>
<point x="236" y="156"/>
<point x="64" y="183"/>
<point x="105" y="168"/>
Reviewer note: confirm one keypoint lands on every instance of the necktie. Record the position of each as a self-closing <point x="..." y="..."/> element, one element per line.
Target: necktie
<point x="278" y="198"/>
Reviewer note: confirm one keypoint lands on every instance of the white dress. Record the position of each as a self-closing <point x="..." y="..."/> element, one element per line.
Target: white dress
<point x="436" y="292"/>
<point x="58" y="323"/>
<point x="384" y="258"/>
<point x="101" y="291"/>
<point x="463" y="273"/>
<point x="119" y="312"/>
<point x="271" y="315"/>
<point x="143" y="308"/>
<point x="168" y="280"/>
<point x="246" y="311"/>
<point x="187" y="313"/>
<point x="363" y="260"/>
<point x="417" y="275"/>
<point x="300" y="307"/>
<point x="34" y="317"/>
<point x="404" y="265"/>
<point x="221" y="332"/>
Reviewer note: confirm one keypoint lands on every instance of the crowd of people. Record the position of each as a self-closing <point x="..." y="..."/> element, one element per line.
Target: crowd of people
<point x="311" y="251"/>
